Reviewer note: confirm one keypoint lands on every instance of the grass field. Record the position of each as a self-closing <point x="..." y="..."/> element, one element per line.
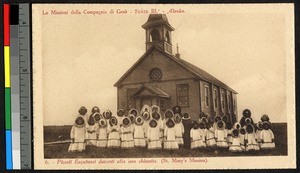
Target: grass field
<point x="55" y="133"/>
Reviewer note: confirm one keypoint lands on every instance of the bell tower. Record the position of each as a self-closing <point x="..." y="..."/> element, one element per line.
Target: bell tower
<point x="158" y="32"/>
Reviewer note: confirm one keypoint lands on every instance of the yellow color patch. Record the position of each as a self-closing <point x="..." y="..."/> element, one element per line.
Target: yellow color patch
<point x="7" y="66"/>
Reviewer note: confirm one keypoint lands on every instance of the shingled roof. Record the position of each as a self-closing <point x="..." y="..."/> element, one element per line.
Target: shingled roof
<point x="157" y="19"/>
<point x="205" y="75"/>
<point x="201" y="74"/>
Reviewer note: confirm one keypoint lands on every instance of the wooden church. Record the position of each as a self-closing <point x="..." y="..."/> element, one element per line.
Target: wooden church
<point x="167" y="80"/>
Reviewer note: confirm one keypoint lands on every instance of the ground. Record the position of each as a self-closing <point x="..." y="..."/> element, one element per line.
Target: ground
<point x="55" y="133"/>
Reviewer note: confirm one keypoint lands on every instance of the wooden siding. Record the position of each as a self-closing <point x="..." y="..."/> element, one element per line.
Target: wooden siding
<point x="170" y="69"/>
<point x="170" y="88"/>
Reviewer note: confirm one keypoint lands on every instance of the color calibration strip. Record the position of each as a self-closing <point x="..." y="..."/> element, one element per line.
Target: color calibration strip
<point x="8" y="131"/>
<point x="15" y="85"/>
<point x="17" y="65"/>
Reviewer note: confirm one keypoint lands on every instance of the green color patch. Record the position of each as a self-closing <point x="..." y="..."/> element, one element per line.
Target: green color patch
<point x="7" y="109"/>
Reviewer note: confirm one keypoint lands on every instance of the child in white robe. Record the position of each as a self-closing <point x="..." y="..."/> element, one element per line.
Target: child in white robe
<point x="157" y="117"/>
<point x="153" y="135"/>
<point x="267" y="137"/>
<point x="77" y="135"/>
<point x="127" y="134"/>
<point x="258" y="132"/>
<point x="170" y="142"/>
<point x="146" y="117"/>
<point x="91" y="132"/>
<point x="179" y="130"/>
<point x="221" y="135"/>
<point x="97" y="116"/>
<point x="236" y="142"/>
<point x="195" y="136"/>
<point x="210" y="135"/>
<point x="113" y="134"/>
<point x="120" y="115"/>
<point x="242" y="138"/>
<point x="229" y="134"/>
<point x="250" y="138"/>
<point x="139" y="134"/>
<point x="202" y="132"/>
<point x="228" y="128"/>
<point x="102" y="133"/>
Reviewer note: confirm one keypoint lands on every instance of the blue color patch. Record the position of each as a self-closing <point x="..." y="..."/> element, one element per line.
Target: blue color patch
<point x="9" y="163"/>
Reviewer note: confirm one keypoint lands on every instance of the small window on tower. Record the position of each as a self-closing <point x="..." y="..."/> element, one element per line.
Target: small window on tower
<point x="154" y="35"/>
<point x="168" y="37"/>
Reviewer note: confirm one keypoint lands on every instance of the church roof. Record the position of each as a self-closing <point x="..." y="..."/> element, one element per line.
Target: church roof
<point x="153" y="91"/>
<point x="157" y="19"/>
<point x="199" y="73"/>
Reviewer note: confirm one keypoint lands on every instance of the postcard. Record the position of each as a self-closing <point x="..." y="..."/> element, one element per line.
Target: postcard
<point x="168" y="86"/>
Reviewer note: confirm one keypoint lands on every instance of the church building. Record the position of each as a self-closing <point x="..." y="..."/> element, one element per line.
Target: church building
<point x="167" y="80"/>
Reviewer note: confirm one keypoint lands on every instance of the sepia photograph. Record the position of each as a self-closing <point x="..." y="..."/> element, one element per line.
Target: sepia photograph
<point x="184" y="86"/>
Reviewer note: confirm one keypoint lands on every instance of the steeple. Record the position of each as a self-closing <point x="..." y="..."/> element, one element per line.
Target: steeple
<point x="158" y="32"/>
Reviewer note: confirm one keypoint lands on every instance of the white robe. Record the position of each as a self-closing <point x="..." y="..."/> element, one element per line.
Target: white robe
<point x="114" y="136"/>
<point x="221" y="138"/>
<point x="102" y="137"/>
<point x="242" y="139"/>
<point x="146" y="126"/>
<point x="236" y="145"/>
<point x="267" y="136"/>
<point x="91" y="134"/>
<point x="179" y="130"/>
<point x="196" y="139"/>
<point x="251" y="144"/>
<point x="258" y="135"/>
<point x="120" y="120"/>
<point x="229" y="137"/>
<point x="127" y="137"/>
<point x="203" y="137"/>
<point x="161" y="129"/>
<point x="153" y="138"/>
<point x="210" y="137"/>
<point x="170" y="142"/>
<point x="139" y="136"/>
<point x="78" y="134"/>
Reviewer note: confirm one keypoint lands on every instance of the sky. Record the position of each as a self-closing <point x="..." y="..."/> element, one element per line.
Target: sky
<point x="84" y="55"/>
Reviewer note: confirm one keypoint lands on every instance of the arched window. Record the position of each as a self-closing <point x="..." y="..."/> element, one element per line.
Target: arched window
<point x="168" y="37"/>
<point x="154" y="35"/>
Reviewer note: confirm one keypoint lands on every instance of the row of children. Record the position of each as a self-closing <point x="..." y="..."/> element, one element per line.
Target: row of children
<point x="149" y="128"/>
<point x="242" y="136"/>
